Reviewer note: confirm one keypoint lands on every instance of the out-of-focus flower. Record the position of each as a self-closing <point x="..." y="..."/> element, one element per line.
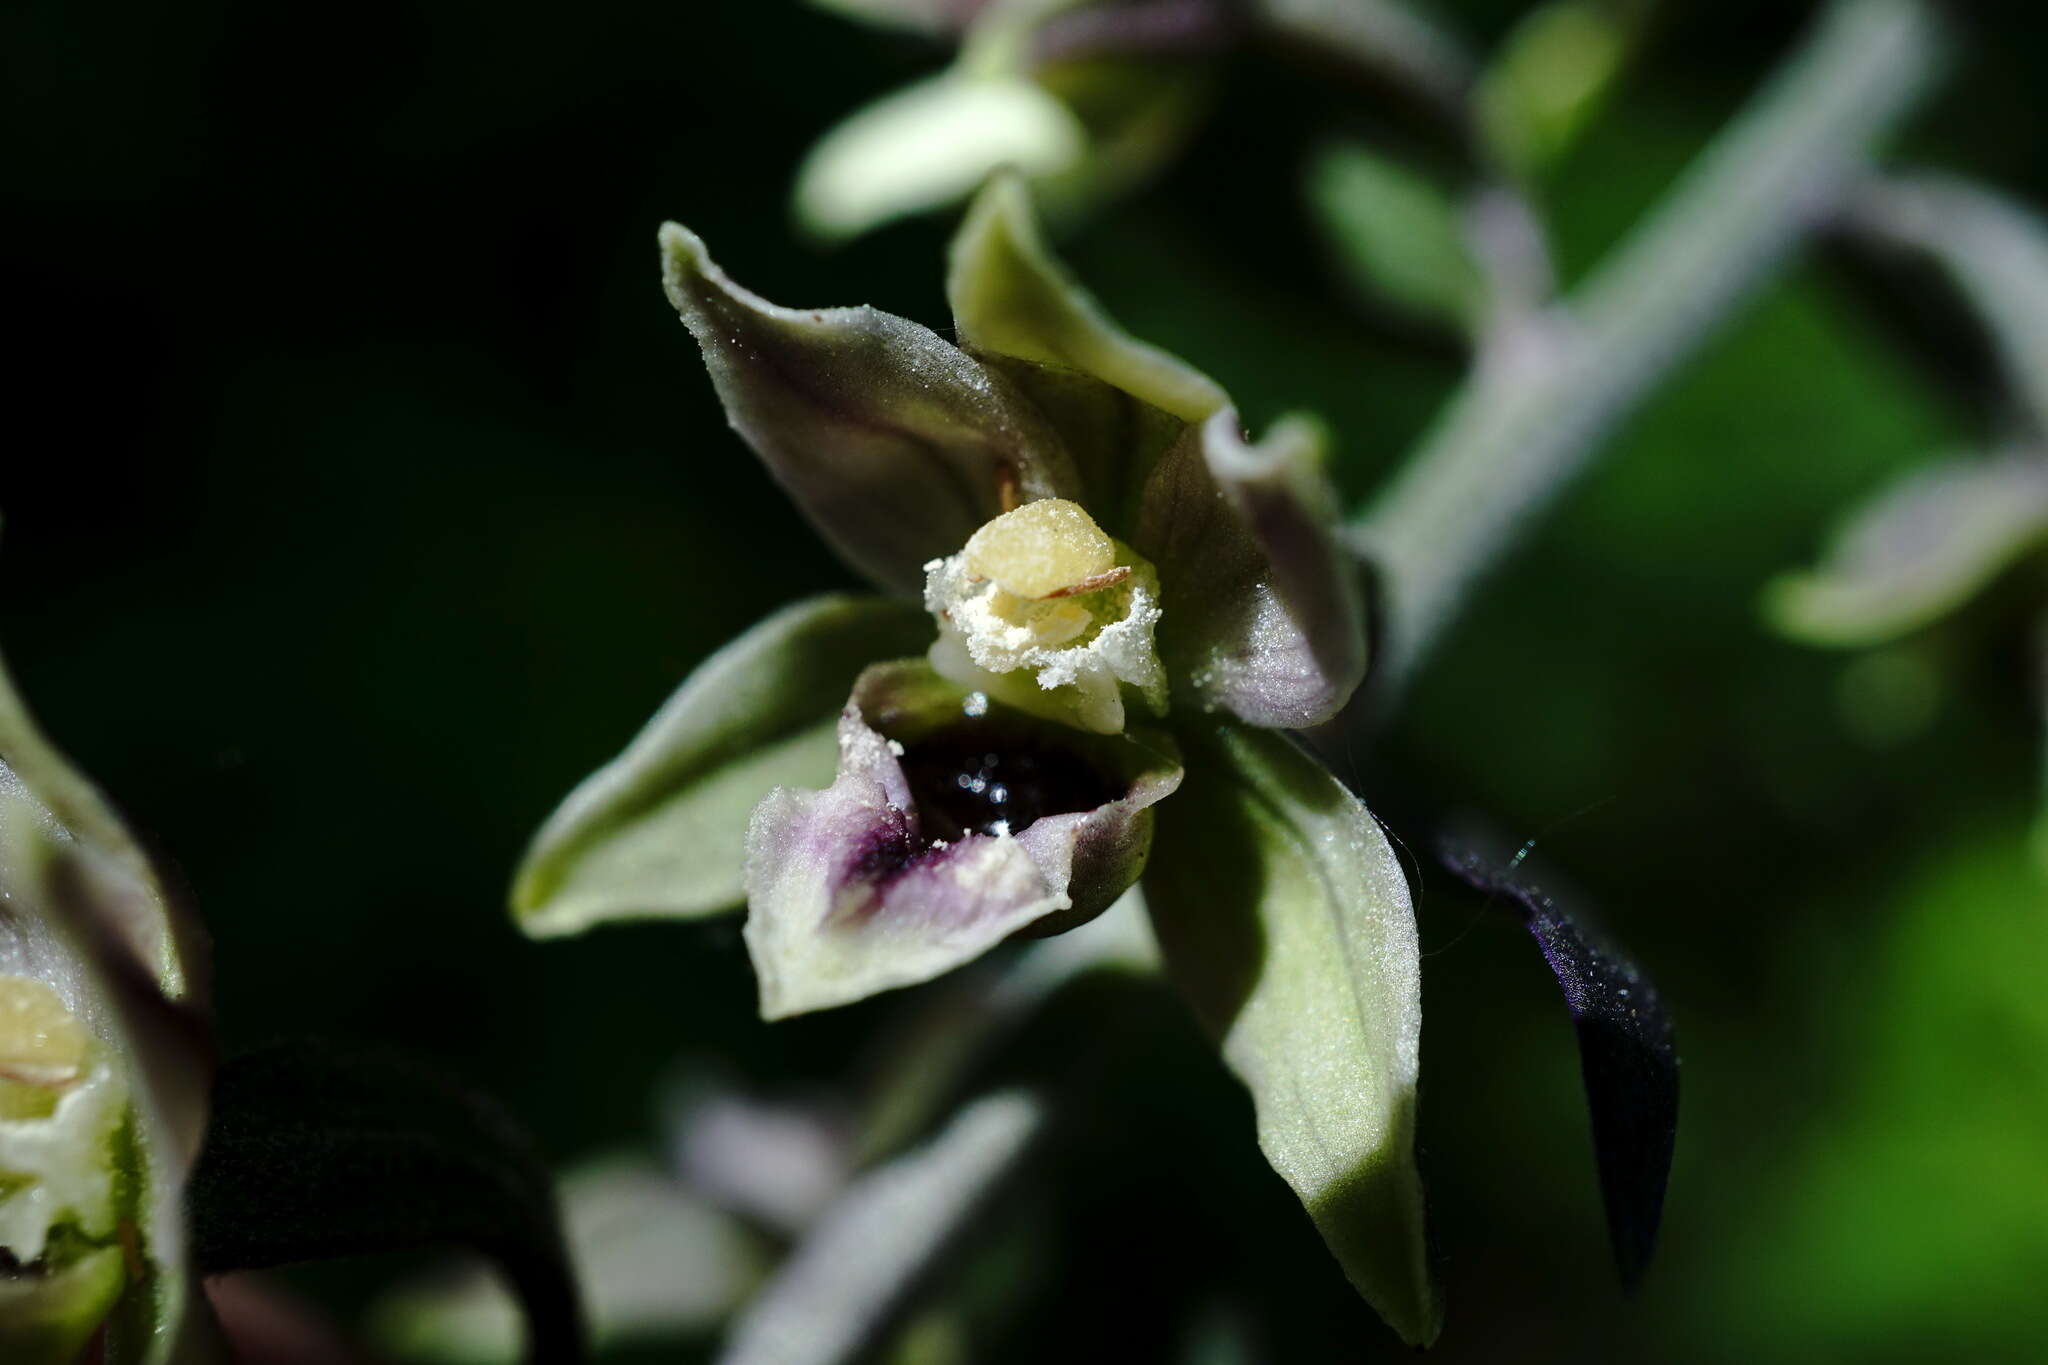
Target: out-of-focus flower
<point x="658" y="1264"/>
<point x="1923" y="551"/>
<point x="1126" y="600"/>
<point x="1918" y="551"/>
<point x="103" y="1073"/>
<point x="1086" y="97"/>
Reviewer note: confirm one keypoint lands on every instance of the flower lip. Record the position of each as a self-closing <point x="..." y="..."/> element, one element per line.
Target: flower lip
<point x="974" y="778"/>
<point x="902" y="869"/>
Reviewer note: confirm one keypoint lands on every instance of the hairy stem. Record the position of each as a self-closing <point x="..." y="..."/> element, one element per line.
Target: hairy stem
<point x="1511" y="442"/>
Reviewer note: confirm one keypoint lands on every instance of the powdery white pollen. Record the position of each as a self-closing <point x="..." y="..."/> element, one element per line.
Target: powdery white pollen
<point x="1067" y="656"/>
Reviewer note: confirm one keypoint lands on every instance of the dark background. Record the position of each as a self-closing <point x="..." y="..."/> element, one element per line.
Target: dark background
<point x="362" y="493"/>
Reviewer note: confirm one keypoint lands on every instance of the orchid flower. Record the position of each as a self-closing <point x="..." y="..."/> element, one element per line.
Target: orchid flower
<point x="103" y="1075"/>
<point x="1102" y="606"/>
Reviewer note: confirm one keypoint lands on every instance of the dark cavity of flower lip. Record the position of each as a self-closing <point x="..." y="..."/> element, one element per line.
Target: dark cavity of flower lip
<point x="979" y="778"/>
<point x="973" y="778"/>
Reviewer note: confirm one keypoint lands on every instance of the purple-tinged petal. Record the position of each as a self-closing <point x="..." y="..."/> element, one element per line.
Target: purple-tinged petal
<point x="894" y="443"/>
<point x="1262" y="613"/>
<point x="953" y="823"/>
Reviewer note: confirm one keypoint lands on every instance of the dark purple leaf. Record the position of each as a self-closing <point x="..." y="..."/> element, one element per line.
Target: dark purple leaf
<point x="317" y="1151"/>
<point x="1627" y="1054"/>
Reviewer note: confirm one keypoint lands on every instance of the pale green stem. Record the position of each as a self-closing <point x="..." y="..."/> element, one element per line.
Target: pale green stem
<point x="1517" y="435"/>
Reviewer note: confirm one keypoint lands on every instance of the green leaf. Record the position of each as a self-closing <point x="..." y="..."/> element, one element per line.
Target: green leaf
<point x="660" y="831"/>
<point x="317" y="1151"/>
<point x="1551" y="76"/>
<point x="1284" y="917"/>
<point x="1918" y="551"/>
<point x="1397" y="237"/>
<point x="929" y="145"/>
<point x="894" y="443"/>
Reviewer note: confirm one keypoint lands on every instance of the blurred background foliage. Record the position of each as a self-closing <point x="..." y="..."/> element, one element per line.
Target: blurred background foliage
<point x="363" y="494"/>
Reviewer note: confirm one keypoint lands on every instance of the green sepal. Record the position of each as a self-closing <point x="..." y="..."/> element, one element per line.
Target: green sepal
<point x="1117" y="401"/>
<point x="1285" y="919"/>
<point x="660" y="831"/>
